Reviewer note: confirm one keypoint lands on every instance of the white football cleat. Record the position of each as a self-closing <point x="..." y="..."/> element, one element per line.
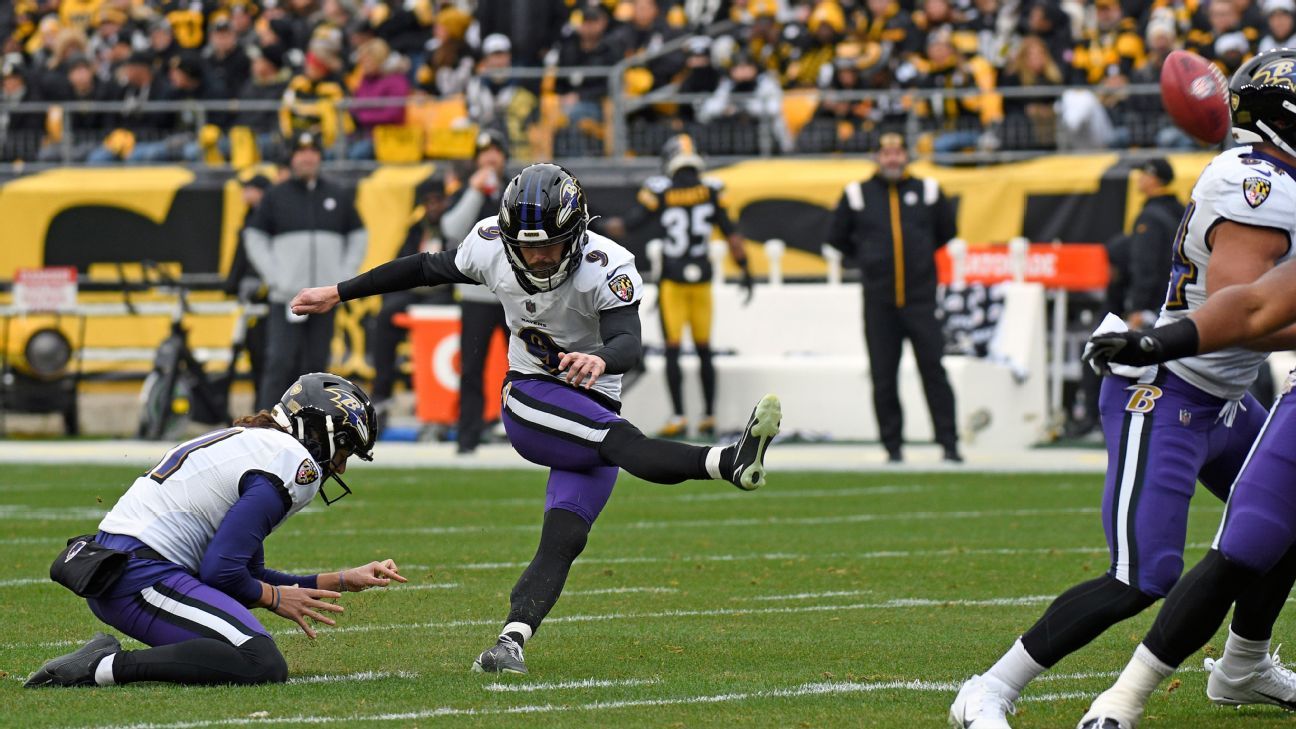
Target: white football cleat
<point x="1271" y="683"/>
<point x="980" y="705"/>
<point x="1111" y="710"/>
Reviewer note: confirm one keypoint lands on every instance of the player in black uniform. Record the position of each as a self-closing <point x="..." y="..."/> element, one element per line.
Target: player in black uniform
<point x="688" y="206"/>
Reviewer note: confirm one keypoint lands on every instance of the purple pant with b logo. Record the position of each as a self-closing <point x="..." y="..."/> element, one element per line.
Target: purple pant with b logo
<point x="555" y="425"/>
<point x="1163" y="435"/>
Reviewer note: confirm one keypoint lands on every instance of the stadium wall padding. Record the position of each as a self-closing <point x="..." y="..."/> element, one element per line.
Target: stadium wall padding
<point x="96" y="215"/>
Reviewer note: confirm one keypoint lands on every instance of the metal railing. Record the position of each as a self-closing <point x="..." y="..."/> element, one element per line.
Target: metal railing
<point x="636" y="126"/>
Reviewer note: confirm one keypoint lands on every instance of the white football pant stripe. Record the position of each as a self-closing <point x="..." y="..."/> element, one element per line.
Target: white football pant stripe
<point x="230" y="632"/>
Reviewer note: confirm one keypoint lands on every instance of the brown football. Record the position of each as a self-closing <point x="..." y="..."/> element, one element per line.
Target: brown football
<point x="1195" y="94"/>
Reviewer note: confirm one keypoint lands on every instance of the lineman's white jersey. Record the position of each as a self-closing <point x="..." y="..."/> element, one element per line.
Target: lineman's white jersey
<point x="177" y="506"/>
<point x="566" y="319"/>
<point x="1240" y="186"/>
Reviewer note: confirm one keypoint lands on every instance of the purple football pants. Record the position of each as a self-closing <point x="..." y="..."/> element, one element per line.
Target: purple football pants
<point x="1259" y="524"/>
<point x="1163" y="435"/>
<point x="554" y="425"/>
<point x="172" y="606"/>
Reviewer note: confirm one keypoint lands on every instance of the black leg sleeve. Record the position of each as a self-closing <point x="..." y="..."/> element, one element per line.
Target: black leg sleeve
<point x="654" y="459"/>
<point x="1196" y="606"/>
<point x="707" y="367"/>
<point x="675" y="379"/>
<point x="1257" y="609"/>
<point x="204" y="661"/>
<point x="1080" y="615"/>
<point x="562" y="539"/>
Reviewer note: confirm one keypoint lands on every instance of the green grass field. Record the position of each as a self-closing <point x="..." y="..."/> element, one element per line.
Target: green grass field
<point x="819" y="601"/>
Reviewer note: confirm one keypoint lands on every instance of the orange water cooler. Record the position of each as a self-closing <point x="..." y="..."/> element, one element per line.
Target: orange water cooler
<point x="434" y="346"/>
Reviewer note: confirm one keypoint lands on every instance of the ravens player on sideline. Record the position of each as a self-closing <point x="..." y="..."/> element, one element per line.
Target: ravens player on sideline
<point x="1254" y="549"/>
<point x="688" y="206"/>
<point x="572" y="301"/>
<point x="194" y="526"/>
<point x="1168" y="427"/>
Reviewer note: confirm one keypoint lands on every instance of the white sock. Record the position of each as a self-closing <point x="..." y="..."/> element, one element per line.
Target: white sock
<point x="521" y="628"/>
<point x="1242" y="656"/>
<point x="1014" y="670"/>
<point x="713" y="463"/>
<point x="1128" y="696"/>
<point x="103" y="672"/>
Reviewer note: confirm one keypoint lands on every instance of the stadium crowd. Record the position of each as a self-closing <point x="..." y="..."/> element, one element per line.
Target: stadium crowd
<point x="419" y="76"/>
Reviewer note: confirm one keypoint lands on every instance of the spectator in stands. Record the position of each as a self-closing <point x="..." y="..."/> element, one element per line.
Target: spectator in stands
<point x="306" y="232"/>
<point x="481" y="314"/>
<point x="226" y="61"/>
<point x="899" y="272"/>
<point x="110" y="27"/>
<point x="137" y="84"/>
<point x="162" y="45"/>
<point x="769" y="42"/>
<point x="1030" y="122"/>
<point x="382" y="76"/>
<point x="533" y="26"/>
<point x="495" y="99"/>
<point x="846" y="124"/>
<point x="700" y="76"/>
<point x="958" y="122"/>
<point x="187" y="81"/>
<point x="747" y="105"/>
<point x="86" y="128"/>
<point x="884" y="24"/>
<point x="52" y="66"/>
<point x="310" y="102"/>
<point x="1231" y="51"/>
<point x="1046" y="19"/>
<point x="404" y="26"/>
<point x="1221" y="17"/>
<point x="448" y="61"/>
<point x="827" y="24"/>
<point x="1144" y="111"/>
<point x="20" y="132"/>
<point x="1280" y="21"/>
<point x="1110" y="48"/>
<point x="424" y="236"/>
<point x="269" y="82"/>
<point x="647" y="30"/>
<point x="582" y="96"/>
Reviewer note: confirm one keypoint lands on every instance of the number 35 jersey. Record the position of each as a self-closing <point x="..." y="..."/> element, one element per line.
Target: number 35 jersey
<point x="546" y="324"/>
<point x="177" y="506"/>
<point x="1240" y="186"/>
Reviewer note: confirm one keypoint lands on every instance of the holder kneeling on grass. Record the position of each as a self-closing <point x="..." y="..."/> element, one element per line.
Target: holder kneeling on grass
<point x="178" y="562"/>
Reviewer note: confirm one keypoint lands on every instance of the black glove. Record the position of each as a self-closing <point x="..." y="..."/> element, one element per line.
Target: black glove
<point x="748" y="285"/>
<point x="1142" y="347"/>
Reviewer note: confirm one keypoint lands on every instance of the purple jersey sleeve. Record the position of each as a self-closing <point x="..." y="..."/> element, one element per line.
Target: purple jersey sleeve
<point x="234" y="559"/>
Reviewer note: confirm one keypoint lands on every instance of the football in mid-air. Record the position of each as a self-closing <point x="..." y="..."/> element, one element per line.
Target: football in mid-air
<point x="1195" y="94"/>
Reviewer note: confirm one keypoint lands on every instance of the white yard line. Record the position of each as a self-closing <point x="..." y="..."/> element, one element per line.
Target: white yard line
<point x="583" y="683"/>
<point x="896" y="604"/>
<point x="808" y="595"/>
<point x="733" y="522"/>
<point x="622" y="591"/>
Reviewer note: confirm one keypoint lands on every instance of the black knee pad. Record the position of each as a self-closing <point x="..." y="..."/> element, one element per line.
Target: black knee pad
<point x="563" y="535"/>
<point x="262" y="653"/>
<point x="621" y="437"/>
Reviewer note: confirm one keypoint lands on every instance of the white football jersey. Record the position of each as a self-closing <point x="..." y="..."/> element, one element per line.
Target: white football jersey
<point x="1242" y="187"/>
<point x="566" y="319"/>
<point x="177" y="506"/>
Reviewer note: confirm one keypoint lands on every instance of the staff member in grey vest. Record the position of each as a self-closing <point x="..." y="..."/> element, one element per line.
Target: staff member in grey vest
<point x="480" y="312"/>
<point x="305" y="233"/>
<point x="891" y="225"/>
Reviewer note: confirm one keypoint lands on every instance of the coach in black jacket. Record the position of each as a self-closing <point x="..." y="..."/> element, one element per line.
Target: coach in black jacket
<point x="891" y="225"/>
<point x="1150" y="245"/>
<point x="305" y="233"/>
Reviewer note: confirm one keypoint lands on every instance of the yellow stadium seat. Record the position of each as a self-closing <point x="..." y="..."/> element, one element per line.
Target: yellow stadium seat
<point x="440" y="120"/>
<point x="243" y="148"/>
<point x="398" y="144"/>
<point x="799" y="108"/>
